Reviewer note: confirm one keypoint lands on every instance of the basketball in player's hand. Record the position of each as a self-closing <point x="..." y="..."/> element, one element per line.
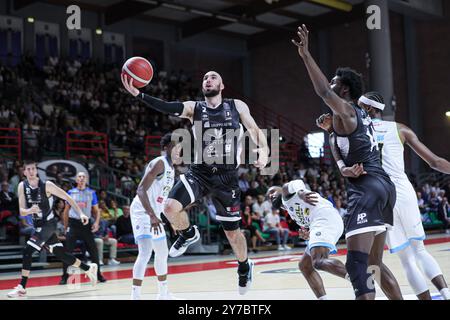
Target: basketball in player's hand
<point x="139" y="69"/>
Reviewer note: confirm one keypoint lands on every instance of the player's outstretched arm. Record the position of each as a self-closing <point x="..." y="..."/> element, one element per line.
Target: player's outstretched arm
<point x="320" y="82"/>
<point x="179" y="109"/>
<point x="60" y="193"/>
<point x="410" y="138"/>
<point x="255" y="132"/>
<point x="144" y="185"/>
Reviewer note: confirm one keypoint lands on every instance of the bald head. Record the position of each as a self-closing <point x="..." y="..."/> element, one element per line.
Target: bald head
<point x="212" y="84"/>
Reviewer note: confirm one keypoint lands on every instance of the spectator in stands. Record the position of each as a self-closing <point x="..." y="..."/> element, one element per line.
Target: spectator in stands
<point x="114" y="210"/>
<point x="8" y="200"/>
<point x="243" y="183"/>
<point x="124" y="228"/>
<point x="443" y="210"/>
<point x="338" y="206"/>
<point x="105" y="214"/>
<point x="273" y="227"/>
<point x="248" y="223"/>
<point x="420" y="202"/>
<point x="102" y="238"/>
<point x="261" y="206"/>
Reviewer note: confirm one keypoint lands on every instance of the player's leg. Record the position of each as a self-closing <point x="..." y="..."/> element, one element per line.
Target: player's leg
<point x="386" y="278"/>
<point x="358" y="248"/>
<point x="140" y="265"/>
<point x="226" y="198"/>
<point x="53" y="245"/>
<point x="312" y="277"/>
<point x="31" y="246"/>
<point x="321" y="261"/>
<point x="415" y="277"/>
<point x="431" y="268"/>
<point x="159" y="244"/>
<point x="407" y="223"/>
<point x="185" y="192"/>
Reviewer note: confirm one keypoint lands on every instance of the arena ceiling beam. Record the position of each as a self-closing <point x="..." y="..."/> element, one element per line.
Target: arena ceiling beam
<point x="242" y="13"/>
<point x="314" y="23"/>
<point x="126" y="9"/>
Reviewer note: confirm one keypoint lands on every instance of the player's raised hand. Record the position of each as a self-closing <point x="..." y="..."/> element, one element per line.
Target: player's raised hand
<point x="128" y="84"/>
<point x="353" y="172"/>
<point x="303" y="44"/>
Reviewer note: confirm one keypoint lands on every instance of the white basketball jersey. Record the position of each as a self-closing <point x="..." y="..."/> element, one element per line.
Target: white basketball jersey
<point x="299" y="210"/>
<point x="391" y="148"/>
<point x="161" y="186"/>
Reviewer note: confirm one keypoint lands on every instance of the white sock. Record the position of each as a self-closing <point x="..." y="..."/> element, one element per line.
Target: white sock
<point x="445" y="293"/>
<point x="136" y="292"/>
<point x="323" y="297"/>
<point x="163" y="288"/>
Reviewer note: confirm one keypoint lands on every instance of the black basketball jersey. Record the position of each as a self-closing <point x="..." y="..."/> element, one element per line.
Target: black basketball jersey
<point x="38" y="196"/>
<point x="361" y="146"/>
<point x="217" y="133"/>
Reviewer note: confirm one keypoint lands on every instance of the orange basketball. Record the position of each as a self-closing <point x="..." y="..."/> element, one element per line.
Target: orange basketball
<point x="139" y="69"/>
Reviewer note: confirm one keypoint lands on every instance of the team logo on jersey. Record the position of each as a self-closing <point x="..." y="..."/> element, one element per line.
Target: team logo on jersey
<point x="318" y="234"/>
<point x="160" y="200"/>
<point x="361" y="218"/>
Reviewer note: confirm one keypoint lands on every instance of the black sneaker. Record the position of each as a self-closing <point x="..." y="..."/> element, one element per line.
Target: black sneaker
<point x="245" y="280"/>
<point x="101" y="279"/>
<point x="181" y="244"/>
<point x="63" y="280"/>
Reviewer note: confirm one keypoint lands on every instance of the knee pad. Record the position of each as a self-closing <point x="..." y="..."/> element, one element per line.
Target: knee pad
<point x="356" y="265"/>
<point x="230" y="225"/>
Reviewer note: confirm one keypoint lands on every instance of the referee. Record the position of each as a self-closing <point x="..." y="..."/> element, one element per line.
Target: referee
<point x="86" y="199"/>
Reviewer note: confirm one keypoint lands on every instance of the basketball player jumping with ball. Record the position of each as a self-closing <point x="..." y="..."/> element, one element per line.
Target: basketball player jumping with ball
<point x="216" y="174"/>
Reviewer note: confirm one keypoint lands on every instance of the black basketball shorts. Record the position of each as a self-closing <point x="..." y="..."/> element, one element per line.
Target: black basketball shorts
<point x="371" y="201"/>
<point x="223" y="187"/>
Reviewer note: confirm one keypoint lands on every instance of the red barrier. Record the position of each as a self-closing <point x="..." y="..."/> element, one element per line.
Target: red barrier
<point x="152" y="147"/>
<point x="88" y="144"/>
<point x="11" y="138"/>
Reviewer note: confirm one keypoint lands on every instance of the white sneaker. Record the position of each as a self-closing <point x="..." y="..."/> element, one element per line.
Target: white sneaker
<point x="245" y="281"/>
<point x="18" y="291"/>
<point x="280" y="248"/>
<point x="92" y="274"/>
<point x="181" y="244"/>
<point x="101" y="262"/>
<point x="113" y="262"/>
<point x="286" y="247"/>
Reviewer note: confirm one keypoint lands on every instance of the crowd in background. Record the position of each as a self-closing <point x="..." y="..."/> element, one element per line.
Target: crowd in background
<point x="47" y="102"/>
